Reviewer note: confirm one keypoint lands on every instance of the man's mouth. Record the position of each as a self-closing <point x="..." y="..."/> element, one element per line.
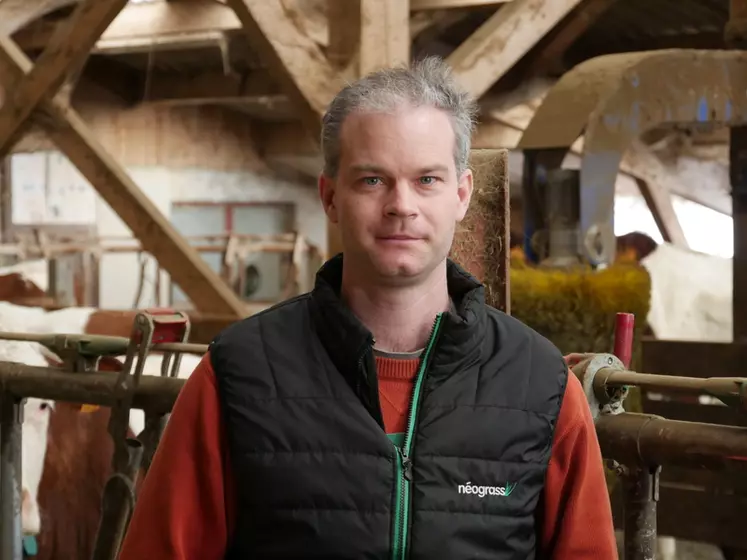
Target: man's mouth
<point x="398" y="238"/>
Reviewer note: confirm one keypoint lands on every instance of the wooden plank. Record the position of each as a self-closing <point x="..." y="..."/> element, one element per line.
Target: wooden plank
<point x="385" y="35"/>
<point x="659" y="202"/>
<point x="702" y="516"/>
<point x="294" y="60"/>
<point x="416" y="5"/>
<point x="17" y="14"/>
<point x="694" y="359"/>
<point x="557" y="42"/>
<point x="253" y="93"/>
<point x="694" y="515"/>
<point x="491" y="51"/>
<point x="156" y="234"/>
<point x="147" y="22"/>
<point x="67" y="50"/>
<point x="343" y="17"/>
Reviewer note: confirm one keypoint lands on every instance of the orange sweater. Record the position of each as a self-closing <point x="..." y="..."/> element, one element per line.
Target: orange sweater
<point x="185" y="507"/>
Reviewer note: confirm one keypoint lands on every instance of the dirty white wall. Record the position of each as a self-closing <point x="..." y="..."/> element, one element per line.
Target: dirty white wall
<point x="186" y="154"/>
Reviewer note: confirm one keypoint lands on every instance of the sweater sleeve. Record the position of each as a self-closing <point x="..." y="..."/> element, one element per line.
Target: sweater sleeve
<point x="577" y="516"/>
<point x="181" y="511"/>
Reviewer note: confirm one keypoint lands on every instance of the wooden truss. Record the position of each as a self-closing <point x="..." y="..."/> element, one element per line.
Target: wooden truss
<point x="360" y="36"/>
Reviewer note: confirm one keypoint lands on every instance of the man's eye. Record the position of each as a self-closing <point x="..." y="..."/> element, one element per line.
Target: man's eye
<point x="427" y="180"/>
<point x="371" y="181"/>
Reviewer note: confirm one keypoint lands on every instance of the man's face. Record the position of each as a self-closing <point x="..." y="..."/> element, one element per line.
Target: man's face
<point x="397" y="198"/>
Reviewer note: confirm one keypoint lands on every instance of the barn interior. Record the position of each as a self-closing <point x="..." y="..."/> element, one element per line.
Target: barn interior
<point x="142" y="140"/>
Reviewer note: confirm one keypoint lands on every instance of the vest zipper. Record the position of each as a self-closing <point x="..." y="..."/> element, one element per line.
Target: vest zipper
<point x="403" y="466"/>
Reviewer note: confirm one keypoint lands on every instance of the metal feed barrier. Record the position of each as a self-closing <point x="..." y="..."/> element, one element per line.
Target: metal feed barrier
<point x="635" y="445"/>
<point x="78" y="380"/>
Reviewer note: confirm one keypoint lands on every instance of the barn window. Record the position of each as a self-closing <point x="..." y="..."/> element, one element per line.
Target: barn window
<point x="259" y="276"/>
<point x="45" y="200"/>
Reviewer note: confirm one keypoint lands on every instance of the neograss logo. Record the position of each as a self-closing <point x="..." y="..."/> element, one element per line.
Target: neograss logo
<point x="482" y="491"/>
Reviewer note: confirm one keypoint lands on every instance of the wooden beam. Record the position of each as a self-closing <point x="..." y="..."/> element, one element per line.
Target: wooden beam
<point x="148" y="22"/>
<point x="367" y="35"/>
<point x="294" y="60"/>
<point x="416" y="5"/>
<point x="697" y="182"/>
<point x="491" y="51"/>
<point x="17" y="14"/>
<point x="119" y="79"/>
<point x="148" y="25"/>
<point x="659" y="202"/>
<point x="67" y="50"/>
<point x="560" y="39"/>
<point x="694" y="359"/>
<point x="385" y="35"/>
<point x="156" y="234"/>
<point x="253" y="93"/>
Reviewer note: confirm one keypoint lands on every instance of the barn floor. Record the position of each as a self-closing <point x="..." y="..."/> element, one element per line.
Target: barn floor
<point x="686" y="550"/>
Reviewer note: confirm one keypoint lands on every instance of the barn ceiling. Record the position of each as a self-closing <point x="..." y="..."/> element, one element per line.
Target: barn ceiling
<point x="195" y="51"/>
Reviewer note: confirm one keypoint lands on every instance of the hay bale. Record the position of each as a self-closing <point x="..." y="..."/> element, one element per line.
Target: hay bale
<point x="481" y="241"/>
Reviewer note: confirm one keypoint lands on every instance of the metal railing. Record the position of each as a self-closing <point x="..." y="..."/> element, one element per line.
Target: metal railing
<point x="79" y="380"/>
<point x="636" y="445"/>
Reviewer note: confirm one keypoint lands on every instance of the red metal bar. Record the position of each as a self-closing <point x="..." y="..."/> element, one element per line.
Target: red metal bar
<point x="624" y="323"/>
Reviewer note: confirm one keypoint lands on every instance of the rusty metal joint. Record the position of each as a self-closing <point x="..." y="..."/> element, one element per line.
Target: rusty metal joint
<point x="593" y="373"/>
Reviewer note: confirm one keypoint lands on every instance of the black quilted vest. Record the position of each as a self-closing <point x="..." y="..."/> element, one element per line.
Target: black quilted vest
<point x="316" y="475"/>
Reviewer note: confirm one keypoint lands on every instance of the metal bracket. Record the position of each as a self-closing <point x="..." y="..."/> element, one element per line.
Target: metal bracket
<point x="150" y="327"/>
<point x="175" y="330"/>
<point x="601" y="400"/>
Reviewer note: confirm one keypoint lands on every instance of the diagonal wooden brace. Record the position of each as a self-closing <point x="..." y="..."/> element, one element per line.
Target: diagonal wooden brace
<point x="69" y="132"/>
<point x="67" y="49"/>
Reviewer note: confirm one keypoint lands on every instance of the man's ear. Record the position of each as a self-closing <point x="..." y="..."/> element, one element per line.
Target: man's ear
<point x="464" y="193"/>
<point x="327" y="190"/>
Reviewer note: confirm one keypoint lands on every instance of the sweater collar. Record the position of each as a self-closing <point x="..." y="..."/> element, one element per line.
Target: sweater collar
<point x="346" y="338"/>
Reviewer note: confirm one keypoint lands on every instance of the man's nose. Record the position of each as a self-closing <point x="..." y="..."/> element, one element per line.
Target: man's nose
<point x="401" y="200"/>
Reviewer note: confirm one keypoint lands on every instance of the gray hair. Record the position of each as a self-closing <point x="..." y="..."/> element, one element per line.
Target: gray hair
<point x="429" y="82"/>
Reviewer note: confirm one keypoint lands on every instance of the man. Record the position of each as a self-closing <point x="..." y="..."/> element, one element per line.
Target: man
<point x="389" y="413"/>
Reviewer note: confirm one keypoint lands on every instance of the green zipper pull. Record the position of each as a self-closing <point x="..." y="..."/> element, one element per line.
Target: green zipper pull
<point x="407" y="467"/>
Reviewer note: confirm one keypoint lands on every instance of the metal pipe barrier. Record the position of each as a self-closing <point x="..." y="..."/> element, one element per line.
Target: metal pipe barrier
<point x="79" y="381"/>
<point x="636" y="444"/>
